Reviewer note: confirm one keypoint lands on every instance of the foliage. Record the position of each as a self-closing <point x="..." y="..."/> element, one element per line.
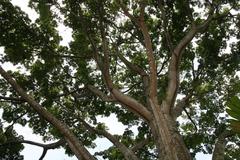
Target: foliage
<point x="108" y="52"/>
<point x="8" y="150"/>
<point x="234" y="111"/>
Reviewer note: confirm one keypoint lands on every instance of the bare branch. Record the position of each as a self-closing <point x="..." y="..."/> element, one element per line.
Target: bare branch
<point x="190" y="118"/>
<point x="163" y="65"/>
<point x="43" y="154"/>
<point x="131" y="87"/>
<point x="45" y="147"/>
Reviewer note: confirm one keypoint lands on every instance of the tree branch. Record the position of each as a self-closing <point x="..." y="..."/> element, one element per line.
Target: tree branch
<point x="77" y="147"/>
<point x="177" y="110"/>
<point x="100" y="94"/>
<point x="127" y="101"/>
<point x="166" y="32"/>
<point x="12" y="99"/>
<point x="45" y="147"/>
<point x="149" y="50"/>
<point x="128" y="153"/>
<point x="140" y="144"/>
<point x="131" y="103"/>
<point x="135" y="68"/>
<point x="173" y="71"/>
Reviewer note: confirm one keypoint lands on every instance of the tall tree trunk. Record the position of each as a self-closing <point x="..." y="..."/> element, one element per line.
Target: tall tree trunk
<point x="170" y="144"/>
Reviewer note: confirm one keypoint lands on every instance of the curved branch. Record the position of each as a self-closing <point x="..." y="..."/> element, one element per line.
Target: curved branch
<point x="43" y="154"/>
<point x="131" y="103"/>
<point x="173" y="71"/>
<point x="100" y="94"/>
<point x="148" y="45"/>
<point x="45" y="147"/>
<point x="179" y="107"/>
<point x="128" y="153"/>
<point x="77" y="147"/>
<point x="140" y="144"/>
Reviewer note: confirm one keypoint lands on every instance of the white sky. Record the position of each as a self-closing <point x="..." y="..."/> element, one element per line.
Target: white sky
<point x="32" y="152"/>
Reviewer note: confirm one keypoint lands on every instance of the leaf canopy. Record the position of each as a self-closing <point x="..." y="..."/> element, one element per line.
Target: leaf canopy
<point x="72" y="82"/>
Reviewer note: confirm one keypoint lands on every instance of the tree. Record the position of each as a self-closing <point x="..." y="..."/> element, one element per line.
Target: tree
<point x="167" y="67"/>
<point x="234" y="111"/>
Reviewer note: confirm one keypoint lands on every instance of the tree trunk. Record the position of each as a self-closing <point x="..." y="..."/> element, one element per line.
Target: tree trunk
<point x="169" y="141"/>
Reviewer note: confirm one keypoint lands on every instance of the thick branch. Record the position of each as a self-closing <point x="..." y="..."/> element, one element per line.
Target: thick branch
<point x="133" y="105"/>
<point x="148" y="45"/>
<point x="173" y="71"/>
<point x="77" y="147"/>
<point x="151" y="61"/>
<point x="140" y="144"/>
<point x="100" y="94"/>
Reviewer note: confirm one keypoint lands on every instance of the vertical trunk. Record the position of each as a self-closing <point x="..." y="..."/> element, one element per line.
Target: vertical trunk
<point x="169" y="141"/>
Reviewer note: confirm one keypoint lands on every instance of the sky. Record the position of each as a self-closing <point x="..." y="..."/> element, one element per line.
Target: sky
<point x="31" y="152"/>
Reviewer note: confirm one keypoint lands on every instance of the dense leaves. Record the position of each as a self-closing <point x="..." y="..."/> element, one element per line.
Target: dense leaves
<point x="72" y="82"/>
<point x="234" y="112"/>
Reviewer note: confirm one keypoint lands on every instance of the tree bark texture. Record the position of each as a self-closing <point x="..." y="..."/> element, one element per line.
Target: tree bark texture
<point x="170" y="143"/>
